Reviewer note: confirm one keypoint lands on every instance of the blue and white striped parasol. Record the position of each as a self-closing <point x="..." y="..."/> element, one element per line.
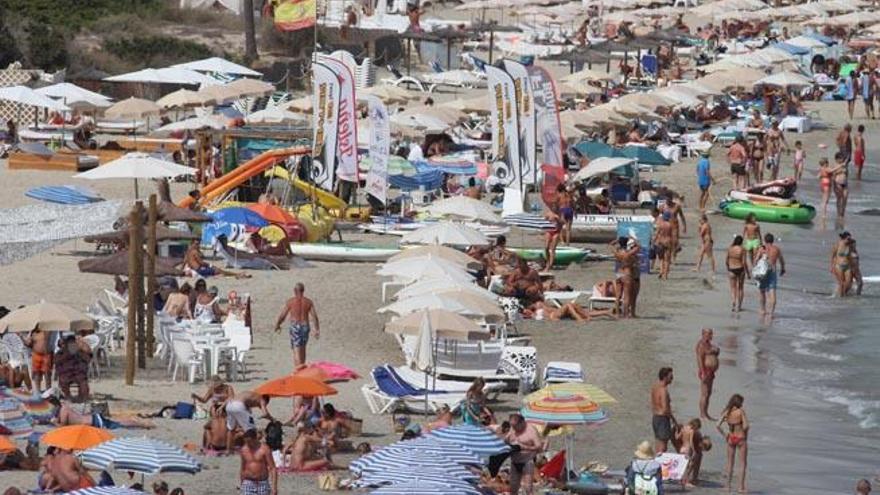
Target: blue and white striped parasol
<point x="140" y="455"/>
<point x="529" y="221"/>
<point x="456" y="453"/>
<point x="408" y="460"/>
<point x="424" y="488"/>
<point x="106" y="490"/>
<point x="479" y="440"/>
<point x="409" y="475"/>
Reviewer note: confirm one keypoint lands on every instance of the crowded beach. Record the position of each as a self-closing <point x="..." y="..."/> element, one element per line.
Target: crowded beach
<point x="489" y="266"/>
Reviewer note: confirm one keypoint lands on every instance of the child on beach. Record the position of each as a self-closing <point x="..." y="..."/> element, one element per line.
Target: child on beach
<point x="825" y="183"/>
<point x="691" y="442"/>
<point x="800" y="157"/>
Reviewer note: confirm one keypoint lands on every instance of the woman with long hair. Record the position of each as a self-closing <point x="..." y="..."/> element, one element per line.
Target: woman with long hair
<point x="737" y="271"/>
<point x="734" y="417"/>
<point x="474" y="402"/>
<point x="842" y="265"/>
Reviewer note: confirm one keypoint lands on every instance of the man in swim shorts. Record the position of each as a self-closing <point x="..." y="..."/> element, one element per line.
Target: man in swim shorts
<point x="663" y="421"/>
<point x="300" y="313"/>
<point x="767" y="286"/>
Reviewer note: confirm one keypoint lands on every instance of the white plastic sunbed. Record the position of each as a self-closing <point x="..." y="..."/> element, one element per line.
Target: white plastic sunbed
<point x="391" y="395"/>
<point x="417" y="379"/>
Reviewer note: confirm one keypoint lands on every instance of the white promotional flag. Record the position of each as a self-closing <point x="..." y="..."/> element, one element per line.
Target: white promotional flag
<point x="346" y="141"/>
<point x="547" y="113"/>
<point x="527" y="117"/>
<point x="505" y="128"/>
<point x="326" y="107"/>
<point x="380" y="146"/>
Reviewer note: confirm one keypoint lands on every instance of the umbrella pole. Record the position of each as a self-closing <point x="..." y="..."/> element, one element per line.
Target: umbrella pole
<point x="134" y="220"/>
<point x="138" y="296"/>
<point x="152" y="216"/>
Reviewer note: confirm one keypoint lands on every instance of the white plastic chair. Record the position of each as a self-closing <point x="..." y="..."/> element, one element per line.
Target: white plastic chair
<point x="186" y="355"/>
<point x="16" y="353"/>
<point x="94" y="343"/>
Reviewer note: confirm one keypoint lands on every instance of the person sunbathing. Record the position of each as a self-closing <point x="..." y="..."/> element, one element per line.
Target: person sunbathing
<point x="524" y="283"/>
<point x="66" y="414"/>
<point x="333" y="428"/>
<point x="259" y="245"/>
<point x="304" y="451"/>
<point x="195" y="263"/>
<point x="568" y="310"/>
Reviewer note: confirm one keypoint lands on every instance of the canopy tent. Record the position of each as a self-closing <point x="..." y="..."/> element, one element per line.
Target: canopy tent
<point x="168" y="75"/>
<point x="601" y="166"/>
<point x="219" y="65"/>
<point x="22" y="95"/>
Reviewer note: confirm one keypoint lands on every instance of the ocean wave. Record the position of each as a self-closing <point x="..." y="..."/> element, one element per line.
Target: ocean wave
<point x="866" y="411"/>
<point x="817" y="336"/>
<point x="804" y="349"/>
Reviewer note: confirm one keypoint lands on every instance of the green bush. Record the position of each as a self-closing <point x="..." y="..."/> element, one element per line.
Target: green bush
<point x="156" y="51"/>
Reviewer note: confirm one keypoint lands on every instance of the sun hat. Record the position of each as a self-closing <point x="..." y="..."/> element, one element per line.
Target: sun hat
<point x="644" y="451"/>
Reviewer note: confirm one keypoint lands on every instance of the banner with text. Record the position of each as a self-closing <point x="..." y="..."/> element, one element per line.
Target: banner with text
<point x="380" y="146"/>
<point x="525" y="106"/>
<point x="326" y="108"/>
<point x="346" y="140"/>
<point x="505" y="128"/>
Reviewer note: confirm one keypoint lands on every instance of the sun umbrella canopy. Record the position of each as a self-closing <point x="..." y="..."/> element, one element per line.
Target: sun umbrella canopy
<point x="457" y="302"/>
<point x="389" y="459"/>
<point x="106" y="490"/>
<point x="23" y="95"/>
<point x="456" y="453"/>
<point x="192" y="124"/>
<point x="272" y="213"/>
<point x="117" y="264"/>
<point x="465" y="208"/>
<point x="588" y="75"/>
<point x="217" y="64"/>
<point x="644" y="155"/>
<point x="390" y="94"/>
<point x="444" y="324"/>
<point x="170" y="212"/>
<point x="136" y="166"/>
<point x="184" y="98"/>
<point x="133" y="108"/>
<point x="140" y="455"/>
<point x="220" y="93"/>
<point x="601" y="166"/>
<point x="448" y="234"/>
<point x="46" y="316"/>
<point x="479" y="440"/>
<point x="275" y="115"/>
<point x="414" y="269"/>
<point x="163" y="233"/>
<point x="241" y="216"/>
<point x="251" y="87"/>
<point x="785" y="79"/>
<point x="7" y="445"/>
<point x="563" y="410"/>
<point x="440" y="285"/>
<point x="294" y="385"/>
<point x="442" y="252"/>
<point x="409" y="474"/>
<point x="71" y="94"/>
<point x="591" y="392"/>
<point x="168" y="75"/>
<point x="75" y="437"/>
<point x="302" y="104"/>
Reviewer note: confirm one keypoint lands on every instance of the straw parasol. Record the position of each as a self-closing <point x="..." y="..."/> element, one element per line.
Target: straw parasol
<point x="46" y="316"/>
<point x="76" y="437"/>
<point x="117" y="264"/>
<point x="163" y="233"/>
<point x="390" y="94"/>
<point x="133" y="108"/>
<point x="588" y="75"/>
<point x="170" y="212"/>
<point x="468" y="105"/>
<point x="184" y="98"/>
<point x="250" y="88"/>
<point x="294" y="385"/>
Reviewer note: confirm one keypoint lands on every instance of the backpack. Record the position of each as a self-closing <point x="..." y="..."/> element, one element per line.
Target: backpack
<point x="761" y="268"/>
<point x="274" y="435"/>
<point x="644" y="484"/>
<point x="184" y="410"/>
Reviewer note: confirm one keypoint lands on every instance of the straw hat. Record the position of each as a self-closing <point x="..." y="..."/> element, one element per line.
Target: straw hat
<point x="644" y="451"/>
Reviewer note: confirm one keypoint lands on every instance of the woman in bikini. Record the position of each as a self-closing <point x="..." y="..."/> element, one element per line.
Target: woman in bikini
<point x="757" y="155"/>
<point x="841" y="264"/>
<point x="840" y="178"/>
<point x="775" y="143"/>
<point x="737" y="271"/>
<point x="564" y="207"/>
<point x="706" y="244"/>
<point x="825" y="183"/>
<point x="734" y="416"/>
<point x="751" y="236"/>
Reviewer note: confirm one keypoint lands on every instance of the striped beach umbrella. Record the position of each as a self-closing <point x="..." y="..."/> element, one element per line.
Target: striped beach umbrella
<point x="140" y="455"/>
<point x="587" y="390"/>
<point x="481" y="441"/>
<point x="390" y="459"/>
<point x="400" y="475"/>
<point x="424" y="488"/>
<point x="107" y="490"/>
<point x="456" y="453"/>
<point x="564" y="410"/>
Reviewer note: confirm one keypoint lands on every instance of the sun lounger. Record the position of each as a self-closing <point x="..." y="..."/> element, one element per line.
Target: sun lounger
<point x="563" y="372"/>
<point x="398" y="79"/>
<point x="596" y="298"/>
<point x="561" y="298"/>
<point x="233" y="261"/>
<point x="388" y="394"/>
<point x="417" y="379"/>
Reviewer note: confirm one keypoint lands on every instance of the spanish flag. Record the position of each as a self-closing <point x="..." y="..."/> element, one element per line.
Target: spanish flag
<point x="293" y="15"/>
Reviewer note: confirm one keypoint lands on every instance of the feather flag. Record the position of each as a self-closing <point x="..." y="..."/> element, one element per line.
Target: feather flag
<point x="293" y="15"/>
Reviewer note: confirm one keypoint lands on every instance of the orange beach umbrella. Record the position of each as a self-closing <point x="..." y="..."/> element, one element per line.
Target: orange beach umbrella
<point x="76" y="437"/>
<point x="273" y="214"/>
<point x="6" y="445"/>
<point x="293" y="385"/>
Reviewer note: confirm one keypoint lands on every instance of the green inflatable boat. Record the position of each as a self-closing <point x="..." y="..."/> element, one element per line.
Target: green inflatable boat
<point x="564" y="255"/>
<point x="795" y="213"/>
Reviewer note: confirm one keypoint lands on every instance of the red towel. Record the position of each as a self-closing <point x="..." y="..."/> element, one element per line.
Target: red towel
<point x="554" y="469"/>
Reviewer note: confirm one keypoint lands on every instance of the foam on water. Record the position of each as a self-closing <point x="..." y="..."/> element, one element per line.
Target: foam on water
<point x="866" y="411"/>
<point x="804" y="349"/>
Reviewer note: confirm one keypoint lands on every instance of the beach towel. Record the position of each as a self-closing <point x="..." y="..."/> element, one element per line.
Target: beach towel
<point x="554" y="467"/>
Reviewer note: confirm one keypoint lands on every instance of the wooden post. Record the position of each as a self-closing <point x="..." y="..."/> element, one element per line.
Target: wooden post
<point x="134" y="221"/>
<point x="138" y="297"/>
<point x="152" y="219"/>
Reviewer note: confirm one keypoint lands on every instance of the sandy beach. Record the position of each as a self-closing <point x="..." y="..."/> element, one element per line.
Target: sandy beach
<point x="622" y="357"/>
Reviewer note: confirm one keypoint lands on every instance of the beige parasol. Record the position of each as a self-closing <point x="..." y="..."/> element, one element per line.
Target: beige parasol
<point x="46" y="316"/>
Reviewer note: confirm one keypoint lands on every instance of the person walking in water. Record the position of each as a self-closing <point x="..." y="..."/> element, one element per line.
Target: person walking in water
<point x="767" y="283"/>
<point x="859" y="151"/>
<point x="706" y="244"/>
<point x="751" y="236"/>
<point x="841" y="263"/>
<point x="707" y="365"/>
<point x="734" y="419"/>
<point x="662" y="421"/>
<point x="300" y="313"/>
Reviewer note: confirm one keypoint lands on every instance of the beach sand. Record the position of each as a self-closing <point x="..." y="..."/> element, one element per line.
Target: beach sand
<point x="622" y="357"/>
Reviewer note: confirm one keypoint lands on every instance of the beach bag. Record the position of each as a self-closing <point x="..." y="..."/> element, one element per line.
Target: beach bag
<point x="183" y="410"/>
<point x="274" y="435"/>
<point x="328" y="482"/>
<point x="761" y="269"/>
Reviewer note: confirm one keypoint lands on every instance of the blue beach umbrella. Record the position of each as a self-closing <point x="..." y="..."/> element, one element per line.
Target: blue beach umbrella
<point x="456" y="453"/>
<point x="388" y="460"/>
<point x="241" y="216"/>
<point x="140" y="455"/>
<point x="424" y="488"/>
<point x="481" y="441"/>
<point x="644" y="155"/>
<point x="400" y="475"/>
<point x="107" y="490"/>
<point x="596" y="149"/>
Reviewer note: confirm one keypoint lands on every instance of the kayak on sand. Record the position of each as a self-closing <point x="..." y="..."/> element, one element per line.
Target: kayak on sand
<point x="796" y="213"/>
<point x="564" y="255"/>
